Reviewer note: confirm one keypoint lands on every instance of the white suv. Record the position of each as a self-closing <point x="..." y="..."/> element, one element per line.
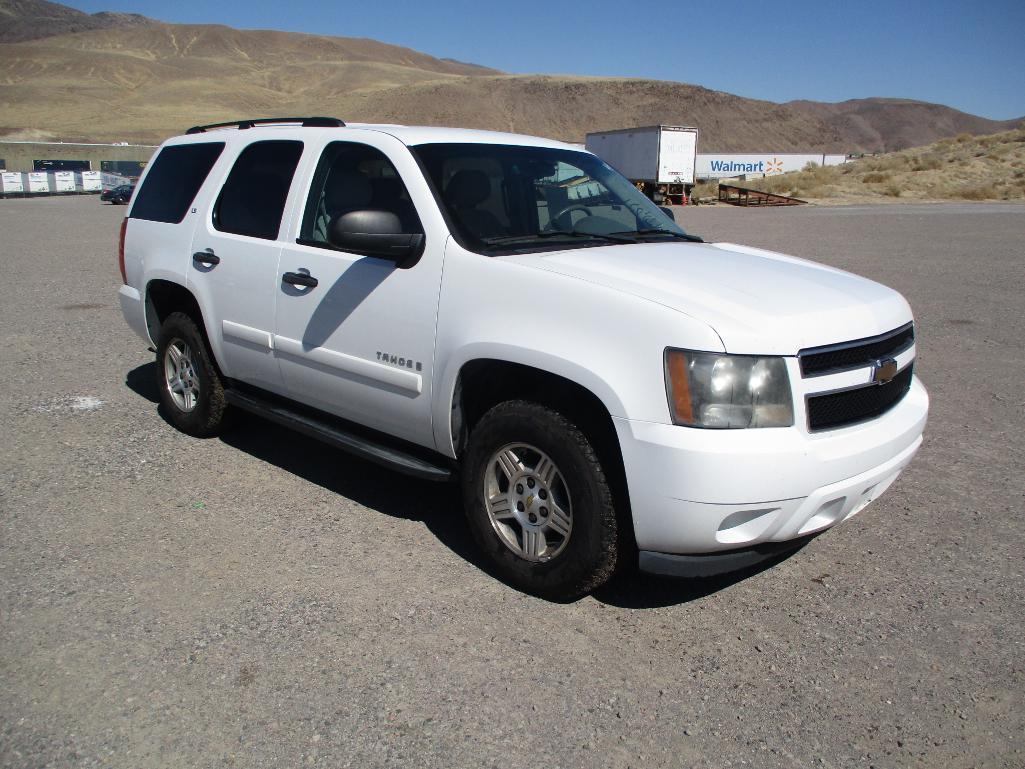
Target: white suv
<point x="511" y="311"/>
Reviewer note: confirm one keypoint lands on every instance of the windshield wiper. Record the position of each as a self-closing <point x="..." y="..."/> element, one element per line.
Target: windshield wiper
<point x="503" y="240"/>
<point x="660" y="231"/>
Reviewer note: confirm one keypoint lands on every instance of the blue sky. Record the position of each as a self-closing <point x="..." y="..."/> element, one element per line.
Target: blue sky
<point x="969" y="54"/>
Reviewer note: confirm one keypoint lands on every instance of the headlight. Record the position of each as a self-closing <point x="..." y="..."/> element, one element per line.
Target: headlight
<point x="712" y="390"/>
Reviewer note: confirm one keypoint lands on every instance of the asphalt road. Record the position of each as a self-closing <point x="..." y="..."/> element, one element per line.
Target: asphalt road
<point x="260" y="600"/>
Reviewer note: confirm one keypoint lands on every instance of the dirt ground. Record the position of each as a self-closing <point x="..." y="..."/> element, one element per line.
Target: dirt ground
<point x="260" y="600"/>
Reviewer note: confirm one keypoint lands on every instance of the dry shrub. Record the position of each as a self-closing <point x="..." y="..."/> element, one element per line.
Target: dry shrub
<point x="811" y="190"/>
<point x="976" y="192"/>
<point x="779" y="185"/>
<point x="887" y="163"/>
<point x="875" y="178"/>
<point x="703" y="190"/>
<point x="961" y="138"/>
<point x="893" y="190"/>
<point x="930" y="161"/>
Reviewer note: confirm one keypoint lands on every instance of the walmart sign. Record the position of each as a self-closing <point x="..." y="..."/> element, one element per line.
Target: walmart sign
<point x="758" y="165"/>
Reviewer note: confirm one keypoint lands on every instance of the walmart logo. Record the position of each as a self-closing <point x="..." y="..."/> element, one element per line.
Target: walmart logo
<point x="774" y="166"/>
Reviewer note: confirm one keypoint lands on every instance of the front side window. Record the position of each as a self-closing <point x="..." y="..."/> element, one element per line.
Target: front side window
<point x="510" y="197"/>
<point x="172" y="183"/>
<point x="354" y="177"/>
<point x="252" y="200"/>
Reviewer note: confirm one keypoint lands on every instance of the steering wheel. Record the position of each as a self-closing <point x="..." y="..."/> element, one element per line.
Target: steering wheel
<point x="572" y="207"/>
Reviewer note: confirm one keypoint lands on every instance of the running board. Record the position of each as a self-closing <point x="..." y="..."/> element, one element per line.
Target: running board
<point x="322" y="430"/>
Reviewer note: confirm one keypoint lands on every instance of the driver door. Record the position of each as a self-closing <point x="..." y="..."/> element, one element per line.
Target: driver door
<point x="355" y="336"/>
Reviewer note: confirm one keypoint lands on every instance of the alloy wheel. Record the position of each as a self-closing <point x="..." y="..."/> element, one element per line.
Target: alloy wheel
<point x="528" y="502"/>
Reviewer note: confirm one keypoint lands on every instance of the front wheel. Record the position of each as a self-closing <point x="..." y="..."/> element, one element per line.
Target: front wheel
<point x="538" y="502"/>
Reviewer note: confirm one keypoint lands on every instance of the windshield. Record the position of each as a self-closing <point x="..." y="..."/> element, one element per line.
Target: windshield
<point x="502" y="198"/>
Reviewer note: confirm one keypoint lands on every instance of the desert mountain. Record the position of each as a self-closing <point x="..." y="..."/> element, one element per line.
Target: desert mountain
<point x="888" y="125"/>
<point x="568" y="107"/>
<point x="73" y="76"/>
<point x="34" y="19"/>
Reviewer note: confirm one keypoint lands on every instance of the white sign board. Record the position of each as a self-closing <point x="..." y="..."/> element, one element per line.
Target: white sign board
<point x="38" y="181"/>
<point x="110" y="181"/>
<point x="11" y="182"/>
<point x="62" y="181"/>
<point x="92" y="181"/>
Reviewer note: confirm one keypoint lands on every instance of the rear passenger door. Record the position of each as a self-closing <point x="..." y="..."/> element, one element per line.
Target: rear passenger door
<point x="235" y="252"/>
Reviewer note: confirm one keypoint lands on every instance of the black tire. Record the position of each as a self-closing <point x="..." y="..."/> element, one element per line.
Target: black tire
<point x="589" y="555"/>
<point x="206" y="415"/>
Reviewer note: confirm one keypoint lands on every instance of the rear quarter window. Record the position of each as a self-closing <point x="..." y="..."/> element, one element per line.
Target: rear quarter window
<point x="173" y="180"/>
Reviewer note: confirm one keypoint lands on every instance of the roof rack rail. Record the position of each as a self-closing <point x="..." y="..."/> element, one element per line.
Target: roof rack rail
<point x="306" y="122"/>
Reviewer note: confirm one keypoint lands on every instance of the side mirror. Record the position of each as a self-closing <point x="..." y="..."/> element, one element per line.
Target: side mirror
<point x="374" y="233"/>
<point x="668" y="212"/>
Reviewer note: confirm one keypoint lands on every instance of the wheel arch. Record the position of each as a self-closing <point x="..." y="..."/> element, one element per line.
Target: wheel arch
<point x="164" y="297"/>
<point x="482" y="383"/>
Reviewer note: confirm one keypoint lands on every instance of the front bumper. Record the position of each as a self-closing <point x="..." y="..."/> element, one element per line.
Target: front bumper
<point x="713" y="564"/>
<point x="702" y="491"/>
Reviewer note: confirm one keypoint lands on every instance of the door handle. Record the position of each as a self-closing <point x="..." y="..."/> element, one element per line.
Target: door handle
<point x="206" y="258"/>
<point x="300" y="279"/>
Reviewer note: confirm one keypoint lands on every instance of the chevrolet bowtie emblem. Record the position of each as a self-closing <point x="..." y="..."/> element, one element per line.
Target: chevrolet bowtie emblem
<point x="883" y="370"/>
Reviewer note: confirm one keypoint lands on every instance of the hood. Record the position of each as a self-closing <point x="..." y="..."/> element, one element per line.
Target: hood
<point x="758" y="302"/>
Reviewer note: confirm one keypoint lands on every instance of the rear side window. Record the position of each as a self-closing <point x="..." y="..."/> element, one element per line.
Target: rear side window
<point x="252" y="201"/>
<point x="173" y="181"/>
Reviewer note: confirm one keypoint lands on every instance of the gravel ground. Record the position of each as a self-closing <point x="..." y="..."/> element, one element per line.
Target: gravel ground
<point x="260" y="600"/>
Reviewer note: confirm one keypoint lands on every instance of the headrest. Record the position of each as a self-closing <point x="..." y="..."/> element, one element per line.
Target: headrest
<point x="387" y="190"/>
<point x="347" y="190"/>
<point x="467" y="188"/>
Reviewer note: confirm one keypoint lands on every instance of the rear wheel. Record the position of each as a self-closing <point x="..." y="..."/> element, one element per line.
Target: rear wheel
<point x="190" y="387"/>
<point x="538" y="502"/>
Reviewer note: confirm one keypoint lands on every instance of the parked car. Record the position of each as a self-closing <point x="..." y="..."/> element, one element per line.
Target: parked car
<point x="117" y="196"/>
<point x="510" y="313"/>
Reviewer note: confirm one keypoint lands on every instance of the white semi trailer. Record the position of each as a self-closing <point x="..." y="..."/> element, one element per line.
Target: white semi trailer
<point x="658" y="159"/>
